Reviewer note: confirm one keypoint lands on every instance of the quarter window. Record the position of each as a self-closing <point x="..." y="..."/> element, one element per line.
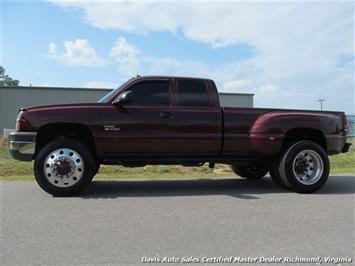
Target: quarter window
<point x="193" y="93"/>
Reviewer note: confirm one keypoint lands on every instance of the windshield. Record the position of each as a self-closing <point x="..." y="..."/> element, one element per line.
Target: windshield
<point x="109" y="95"/>
<point x="106" y="97"/>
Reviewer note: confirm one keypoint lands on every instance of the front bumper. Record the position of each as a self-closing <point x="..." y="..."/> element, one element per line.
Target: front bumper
<point x="22" y="145"/>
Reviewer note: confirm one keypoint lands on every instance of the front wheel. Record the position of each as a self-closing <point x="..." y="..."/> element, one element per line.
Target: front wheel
<point x="250" y="172"/>
<point x="64" y="166"/>
<point x="303" y="168"/>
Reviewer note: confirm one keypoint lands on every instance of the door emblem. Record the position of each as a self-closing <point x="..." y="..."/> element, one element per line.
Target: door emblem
<point x="111" y="128"/>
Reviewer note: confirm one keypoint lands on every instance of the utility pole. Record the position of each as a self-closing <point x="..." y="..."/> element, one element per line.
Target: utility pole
<point x="321" y="103"/>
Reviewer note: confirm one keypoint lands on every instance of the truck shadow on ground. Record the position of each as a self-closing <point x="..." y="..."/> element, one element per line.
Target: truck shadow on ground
<point x="238" y="188"/>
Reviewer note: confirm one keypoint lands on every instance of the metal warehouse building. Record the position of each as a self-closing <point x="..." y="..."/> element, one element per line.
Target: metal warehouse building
<point x="351" y="120"/>
<point x="13" y="98"/>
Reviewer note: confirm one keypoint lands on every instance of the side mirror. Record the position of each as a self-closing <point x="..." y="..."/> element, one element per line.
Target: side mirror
<point x="123" y="98"/>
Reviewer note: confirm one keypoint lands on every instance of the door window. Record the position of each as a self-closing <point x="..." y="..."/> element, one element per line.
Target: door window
<point x="151" y="93"/>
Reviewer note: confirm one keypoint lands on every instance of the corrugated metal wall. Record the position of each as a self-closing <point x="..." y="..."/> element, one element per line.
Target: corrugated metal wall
<point x="351" y="120"/>
<point x="236" y="99"/>
<point x="11" y="99"/>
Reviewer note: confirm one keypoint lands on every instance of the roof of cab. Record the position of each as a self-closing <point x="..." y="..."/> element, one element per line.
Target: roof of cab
<point x="167" y="77"/>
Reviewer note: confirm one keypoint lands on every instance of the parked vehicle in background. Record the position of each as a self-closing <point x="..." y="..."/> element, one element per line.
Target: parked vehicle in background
<point x="175" y="120"/>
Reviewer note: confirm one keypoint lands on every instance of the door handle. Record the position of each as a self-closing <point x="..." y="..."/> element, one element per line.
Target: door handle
<point x="166" y="115"/>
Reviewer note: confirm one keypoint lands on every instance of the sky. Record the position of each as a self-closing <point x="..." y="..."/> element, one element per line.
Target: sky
<point x="289" y="54"/>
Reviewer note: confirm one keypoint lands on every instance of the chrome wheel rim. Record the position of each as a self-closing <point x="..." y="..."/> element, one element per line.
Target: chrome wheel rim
<point x="63" y="167"/>
<point x="308" y="167"/>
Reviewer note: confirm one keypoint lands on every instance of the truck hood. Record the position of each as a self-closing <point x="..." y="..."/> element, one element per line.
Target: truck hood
<point x="60" y="106"/>
<point x="34" y="117"/>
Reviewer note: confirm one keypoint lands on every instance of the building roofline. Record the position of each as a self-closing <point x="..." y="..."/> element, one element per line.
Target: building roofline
<point x="49" y="88"/>
<point x="236" y="93"/>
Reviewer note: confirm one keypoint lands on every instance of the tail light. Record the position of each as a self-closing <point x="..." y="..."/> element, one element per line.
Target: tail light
<point x="346" y="124"/>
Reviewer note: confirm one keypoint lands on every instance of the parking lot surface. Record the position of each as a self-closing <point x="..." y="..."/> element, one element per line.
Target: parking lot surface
<point x="120" y="222"/>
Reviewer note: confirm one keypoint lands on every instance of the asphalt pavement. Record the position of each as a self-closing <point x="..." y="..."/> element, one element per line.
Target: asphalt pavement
<point x="127" y="222"/>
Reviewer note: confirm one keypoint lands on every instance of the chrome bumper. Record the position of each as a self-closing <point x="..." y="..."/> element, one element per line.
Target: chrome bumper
<point x="22" y="145"/>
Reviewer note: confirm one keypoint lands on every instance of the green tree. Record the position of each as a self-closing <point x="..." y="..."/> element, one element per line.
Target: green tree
<point x="5" y="80"/>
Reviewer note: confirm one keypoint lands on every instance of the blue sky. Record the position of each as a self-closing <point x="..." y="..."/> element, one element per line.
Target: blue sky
<point x="288" y="54"/>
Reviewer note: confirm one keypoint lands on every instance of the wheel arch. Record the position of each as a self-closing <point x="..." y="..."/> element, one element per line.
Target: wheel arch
<point x="304" y="133"/>
<point x="76" y="131"/>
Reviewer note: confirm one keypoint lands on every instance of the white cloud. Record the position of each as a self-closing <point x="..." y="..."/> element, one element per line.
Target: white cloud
<point x="126" y="54"/>
<point x="237" y="84"/>
<point x="122" y="49"/>
<point x="261" y="24"/>
<point x="296" y="44"/>
<point x="268" y="88"/>
<point x="130" y="61"/>
<point x="100" y="84"/>
<point x="77" y="52"/>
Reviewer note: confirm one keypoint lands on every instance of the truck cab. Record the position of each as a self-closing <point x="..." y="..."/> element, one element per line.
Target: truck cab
<point x="163" y="116"/>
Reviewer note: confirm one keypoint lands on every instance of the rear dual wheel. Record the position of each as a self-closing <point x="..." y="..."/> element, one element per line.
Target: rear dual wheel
<point x="64" y="167"/>
<point x="254" y="171"/>
<point x="303" y="167"/>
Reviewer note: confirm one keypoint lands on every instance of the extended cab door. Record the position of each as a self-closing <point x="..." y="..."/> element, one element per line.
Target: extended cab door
<point x="145" y="126"/>
<point x="199" y="121"/>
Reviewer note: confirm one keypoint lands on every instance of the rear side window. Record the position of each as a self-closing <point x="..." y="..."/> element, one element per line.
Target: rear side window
<point x="193" y="93"/>
<point x="151" y="93"/>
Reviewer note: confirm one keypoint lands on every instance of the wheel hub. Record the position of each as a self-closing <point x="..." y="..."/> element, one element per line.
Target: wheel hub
<point x="308" y="167"/>
<point x="301" y="166"/>
<point x="63" y="166"/>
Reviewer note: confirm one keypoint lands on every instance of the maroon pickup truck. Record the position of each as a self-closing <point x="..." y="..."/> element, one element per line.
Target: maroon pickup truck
<point x="175" y="120"/>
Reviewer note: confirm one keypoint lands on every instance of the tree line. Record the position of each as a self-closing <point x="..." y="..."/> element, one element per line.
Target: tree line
<point x="6" y="80"/>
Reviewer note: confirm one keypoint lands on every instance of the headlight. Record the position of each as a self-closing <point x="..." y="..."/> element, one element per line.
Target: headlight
<point x="18" y="121"/>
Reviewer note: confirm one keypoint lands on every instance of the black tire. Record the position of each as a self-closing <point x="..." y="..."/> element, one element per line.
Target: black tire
<point x="250" y="172"/>
<point x="304" y="167"/>
<point x="97" y="168"/>
<point x="88" y="172"/>
<point x="275" y="172"/>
